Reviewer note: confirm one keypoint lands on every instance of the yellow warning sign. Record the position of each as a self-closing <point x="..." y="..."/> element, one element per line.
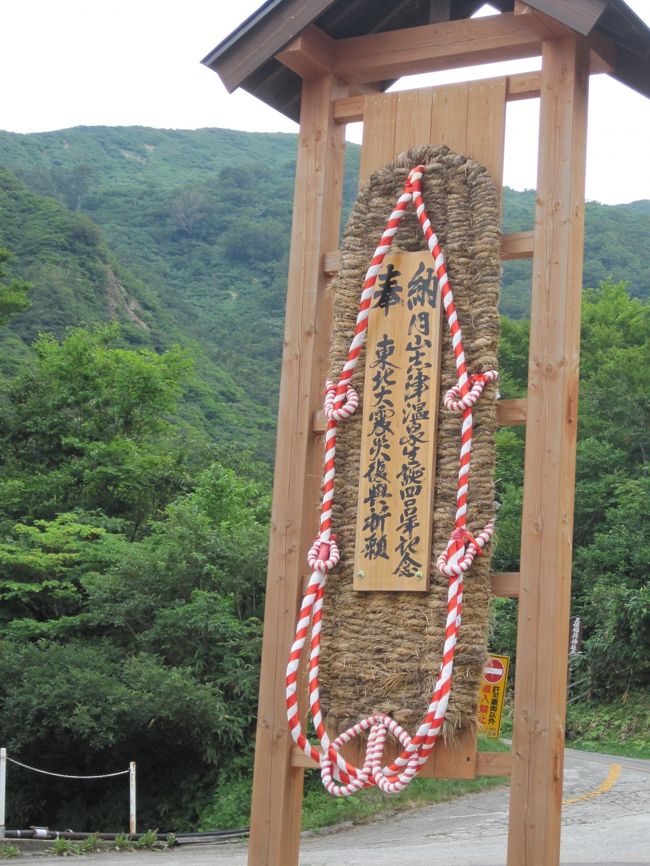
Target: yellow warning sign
<point x="493" y="691"/>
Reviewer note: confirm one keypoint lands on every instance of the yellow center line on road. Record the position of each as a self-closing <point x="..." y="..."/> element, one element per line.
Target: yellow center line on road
<point x="607" y="784"/>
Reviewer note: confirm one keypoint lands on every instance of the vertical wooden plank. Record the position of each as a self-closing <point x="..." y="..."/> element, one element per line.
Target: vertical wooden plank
<point x="277" y="787"/>
<point x="540" y="685"/>
<point x="378" y="145"/>
<point x="449" y="116"/>
<point x="486" y="125"/>
<point x="413" y="118"/>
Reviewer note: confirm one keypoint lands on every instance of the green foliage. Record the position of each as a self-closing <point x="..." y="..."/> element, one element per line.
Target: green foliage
<point x="64" y="848"/>
<point x="618" y="727"/>
<point x="148" y="839"/>
<point x="9" y="852"/>
<point x="610" y="588"/>
<point x="13" y="294"/>
<point x="131" y="583"/>
<point x="122" y="842"/>
<point x="132" y="561"/>
<point x="89" y="844"/>
<point x="83" y="426"/>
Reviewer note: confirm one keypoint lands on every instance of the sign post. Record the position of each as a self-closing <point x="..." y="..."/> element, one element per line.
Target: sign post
<point x="493" y="690"/>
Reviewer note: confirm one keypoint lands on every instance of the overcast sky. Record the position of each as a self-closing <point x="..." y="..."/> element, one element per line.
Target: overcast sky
<point x="66" y="63"/>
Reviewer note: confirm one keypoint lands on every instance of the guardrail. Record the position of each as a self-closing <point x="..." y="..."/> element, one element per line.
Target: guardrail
<point x="4" y="758"/>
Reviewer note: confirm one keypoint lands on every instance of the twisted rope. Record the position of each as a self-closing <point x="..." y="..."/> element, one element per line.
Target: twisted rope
<point x="341" y="778"/>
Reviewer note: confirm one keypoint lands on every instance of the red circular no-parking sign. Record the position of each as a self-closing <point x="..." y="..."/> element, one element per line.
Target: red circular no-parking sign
<point x="494" y="671"/>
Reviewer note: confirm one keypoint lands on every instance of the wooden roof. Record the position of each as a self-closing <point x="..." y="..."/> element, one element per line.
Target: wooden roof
<point x="247" y="58"/>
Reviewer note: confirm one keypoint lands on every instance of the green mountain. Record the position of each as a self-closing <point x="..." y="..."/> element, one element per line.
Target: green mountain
<point x="616" y="248"/>
<point x="184" y="235"/>
<point x="76" y="278"/>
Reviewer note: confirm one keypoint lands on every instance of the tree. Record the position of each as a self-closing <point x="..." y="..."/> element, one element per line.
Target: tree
<point x="13" y="293"/>
<point x="85" y="426"/>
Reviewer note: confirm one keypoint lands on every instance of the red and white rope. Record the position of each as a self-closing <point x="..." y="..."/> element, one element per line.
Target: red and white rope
<point x="341" y="778"/>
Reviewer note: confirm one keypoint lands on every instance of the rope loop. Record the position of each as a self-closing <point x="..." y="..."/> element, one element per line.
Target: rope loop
<point x="453" y="401"/>
<point x="323" y="555"/>
<point x="348" y="407"/>
<point x="462" y="549"/>
<point x="372" y="773"/>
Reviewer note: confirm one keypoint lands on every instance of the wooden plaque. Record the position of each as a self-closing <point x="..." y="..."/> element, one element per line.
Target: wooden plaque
<point x="398" y="437"/>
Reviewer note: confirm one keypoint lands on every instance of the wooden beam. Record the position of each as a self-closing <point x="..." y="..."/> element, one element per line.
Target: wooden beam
<point x="510" y="413"/>
<point x="454" y="44"/>
<point x="310" y="54"/>
<point x="277" y="787"/>
<point x="523" y="85"/>
<point x="349" y="110"/>
<point x="443" y="763"/>
<point x="494" y="764"/>
<point x="518" y="245"/>
<point x="505" y="584"/>
<point x="455" y="760"/>
<point x="547" y="519"/>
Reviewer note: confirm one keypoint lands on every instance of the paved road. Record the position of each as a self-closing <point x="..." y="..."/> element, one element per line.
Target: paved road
<point x="606" y="822"/>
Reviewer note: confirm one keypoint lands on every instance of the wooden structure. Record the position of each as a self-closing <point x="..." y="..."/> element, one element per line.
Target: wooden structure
<point x="327" y="63"/>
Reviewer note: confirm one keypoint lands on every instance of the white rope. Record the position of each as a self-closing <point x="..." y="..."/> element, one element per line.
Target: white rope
<point x="66" y="775"/>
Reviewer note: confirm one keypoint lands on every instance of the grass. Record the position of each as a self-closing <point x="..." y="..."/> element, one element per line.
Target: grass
<point x="148" y="840"/>
<point x="9" y="852"/>
<point x="322" y="810"/>
<point x="612" y="747"/>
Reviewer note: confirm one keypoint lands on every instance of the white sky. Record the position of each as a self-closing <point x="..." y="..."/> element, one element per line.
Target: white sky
<point x="66" y="63"/>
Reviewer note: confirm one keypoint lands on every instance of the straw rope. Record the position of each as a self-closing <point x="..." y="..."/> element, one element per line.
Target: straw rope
<point x="377" y="648"/>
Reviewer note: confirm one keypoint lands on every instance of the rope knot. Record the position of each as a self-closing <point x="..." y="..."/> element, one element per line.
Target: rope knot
<point x="453" y="400"/>
<point x="413" y="181"/>
<point x="462" y="549"/>
<point x="323" y="555"/>
<point x="349" y="402"/>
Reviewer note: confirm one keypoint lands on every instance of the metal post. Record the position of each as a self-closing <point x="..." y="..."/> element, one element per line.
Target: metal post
<point x="3" y="788"/>
<point x="132" y="829"/>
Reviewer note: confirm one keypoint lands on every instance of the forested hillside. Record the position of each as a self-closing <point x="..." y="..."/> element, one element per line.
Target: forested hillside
<point x="136" y="442"/>
<point x="200" y="221"/>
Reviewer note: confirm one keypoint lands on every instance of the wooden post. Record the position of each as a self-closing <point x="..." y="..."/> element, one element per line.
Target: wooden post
<point x="277" y="786"/>
<point x="552" y="411"/>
